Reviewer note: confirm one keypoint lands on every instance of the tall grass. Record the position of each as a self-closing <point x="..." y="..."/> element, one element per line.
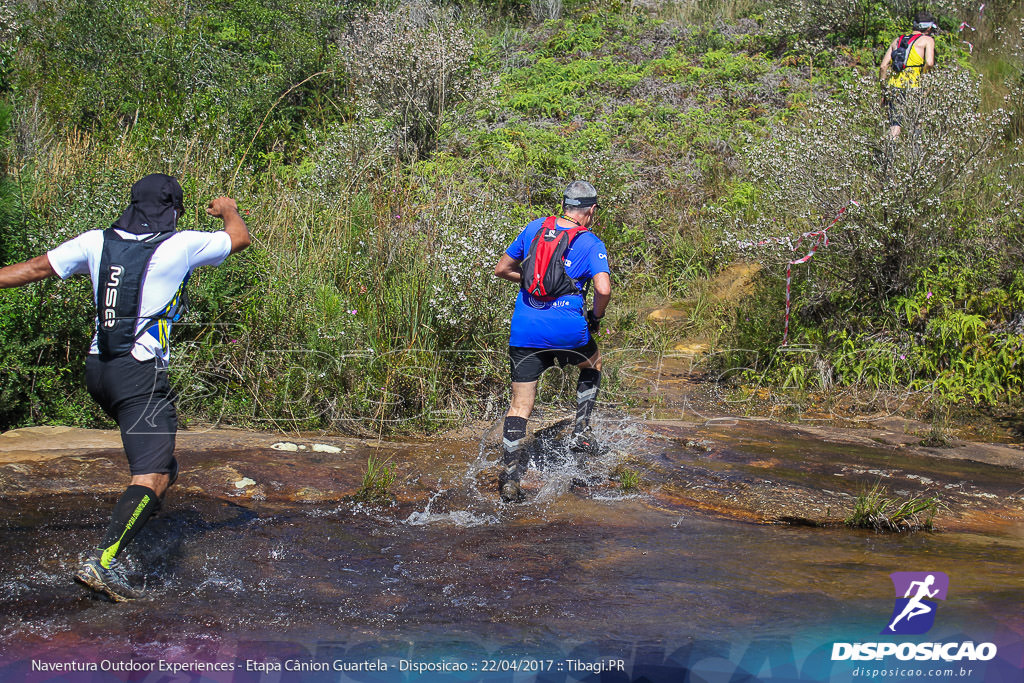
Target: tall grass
<point x="367" y="302"/>
<point x="707" y="11"/>
<point x="875" y="509"/>
<point x="354" y="307"/>
<point x="378" y="479"/>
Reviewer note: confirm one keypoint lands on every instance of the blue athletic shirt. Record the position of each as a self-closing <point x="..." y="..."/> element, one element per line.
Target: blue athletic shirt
<point x="562" y="323"/>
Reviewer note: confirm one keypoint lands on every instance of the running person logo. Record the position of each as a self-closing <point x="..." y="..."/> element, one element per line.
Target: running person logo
<point x="916" y="592"/>
<point x="914" y="614"/>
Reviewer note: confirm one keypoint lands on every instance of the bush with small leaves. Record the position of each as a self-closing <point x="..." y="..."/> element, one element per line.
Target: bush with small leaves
<point x="410" y="66"/>
<point x="908" y="191"/>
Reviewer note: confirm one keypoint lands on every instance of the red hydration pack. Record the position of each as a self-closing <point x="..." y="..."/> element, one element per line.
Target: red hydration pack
<point x="544" y="274"/>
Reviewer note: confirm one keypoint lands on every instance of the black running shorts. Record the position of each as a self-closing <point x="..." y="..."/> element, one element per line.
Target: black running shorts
<point x="897" y="101"/>
<point x="529" y="364"/>
<point x="137" y="394"/>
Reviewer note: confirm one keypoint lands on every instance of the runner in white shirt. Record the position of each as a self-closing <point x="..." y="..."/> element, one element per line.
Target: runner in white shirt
<point x="172" y="262"/>
<point x="139" y="267"/>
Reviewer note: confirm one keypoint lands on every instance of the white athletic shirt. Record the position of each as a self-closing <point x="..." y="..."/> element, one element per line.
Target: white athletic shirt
<point x="172" y="260"/>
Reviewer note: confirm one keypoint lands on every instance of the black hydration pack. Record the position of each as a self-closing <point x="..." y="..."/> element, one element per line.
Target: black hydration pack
<point x="123" y="267"/>
<point x="901" y="53"/>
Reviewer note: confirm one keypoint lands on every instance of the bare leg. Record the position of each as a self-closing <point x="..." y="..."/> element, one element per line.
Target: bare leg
<point x="592" y="362"/>
<point x="524" y="394"/>
<point x="159" y="483"/>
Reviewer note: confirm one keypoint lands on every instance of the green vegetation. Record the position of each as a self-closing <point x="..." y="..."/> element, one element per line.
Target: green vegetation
<point x="874" y="509"/>
<point x="387" y="154"/>
<point x="937" y="437"/>
<point x="629" y="480"/>
<point x="918" y="291"/>
<point x="377" y="481"/>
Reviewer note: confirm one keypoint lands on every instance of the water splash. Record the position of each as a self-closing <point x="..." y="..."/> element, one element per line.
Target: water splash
<point x="617" y="496"/>
<point x="644" y="567"/>
<point x="485" y="447"/>
<point x="230" y="584"/>
<point x="459" y="518"/>
<point x="553" y="470"/>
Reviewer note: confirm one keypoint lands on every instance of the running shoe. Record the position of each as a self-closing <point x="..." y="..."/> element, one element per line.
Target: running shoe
<point x="112" y="582"/>
<point x="512" y="492"/>
<point x="584" y="443"/>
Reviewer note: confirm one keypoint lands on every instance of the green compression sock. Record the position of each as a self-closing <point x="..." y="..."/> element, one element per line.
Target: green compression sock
<point x="133" y="510"/>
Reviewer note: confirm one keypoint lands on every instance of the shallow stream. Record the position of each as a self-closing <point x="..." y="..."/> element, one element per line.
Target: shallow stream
<point x="448" y="572"/>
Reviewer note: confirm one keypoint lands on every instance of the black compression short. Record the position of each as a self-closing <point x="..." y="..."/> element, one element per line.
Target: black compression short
<point x="897" y="101"/>
<point x="138" y="395"/>
<point x="529" y="364"/>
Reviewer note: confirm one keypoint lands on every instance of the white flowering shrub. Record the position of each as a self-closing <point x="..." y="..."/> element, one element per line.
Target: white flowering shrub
<point x="410" y="65"/>
<point x="466" y="235"/>
<point x="914" y="285"/>
<point x="908" y="191"/>
<point x="342" y="156"/>
<point x="1010" y="46"/>
<point x="9" y="27"/>
<point x="814" y="24"/>
<point x="544" y="10"/>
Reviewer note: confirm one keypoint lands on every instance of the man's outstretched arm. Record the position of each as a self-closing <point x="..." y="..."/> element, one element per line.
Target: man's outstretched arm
<point x="226" y="209"/>
<point x="25" y="272"/>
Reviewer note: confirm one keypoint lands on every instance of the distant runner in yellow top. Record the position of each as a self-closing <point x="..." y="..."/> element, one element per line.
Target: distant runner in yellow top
<point x="907" y="57"/>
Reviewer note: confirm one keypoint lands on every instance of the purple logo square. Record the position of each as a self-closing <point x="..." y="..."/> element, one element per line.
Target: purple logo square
<point x="916" y="593"/>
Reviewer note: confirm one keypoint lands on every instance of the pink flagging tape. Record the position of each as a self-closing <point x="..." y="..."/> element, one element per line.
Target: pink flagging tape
<point x="820" y="240"/>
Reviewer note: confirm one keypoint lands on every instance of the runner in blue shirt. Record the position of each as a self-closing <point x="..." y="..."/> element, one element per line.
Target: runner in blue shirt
<point x="544" y="332"/>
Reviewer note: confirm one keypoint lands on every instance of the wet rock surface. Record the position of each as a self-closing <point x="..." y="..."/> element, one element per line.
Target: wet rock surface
<point x="751" y="470"/>
<point x="221" y="464"/>
<point x="768" y="472"/>
<point x="261" y="543"/>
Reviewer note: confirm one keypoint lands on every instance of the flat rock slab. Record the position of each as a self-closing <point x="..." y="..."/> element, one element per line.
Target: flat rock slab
<point x="767" y="472"/>
<point x="218" y="463"/>
<point x="752" y="470"/>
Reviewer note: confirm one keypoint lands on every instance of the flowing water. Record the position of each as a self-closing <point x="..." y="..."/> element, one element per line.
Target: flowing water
<point x="289" y="570"/>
